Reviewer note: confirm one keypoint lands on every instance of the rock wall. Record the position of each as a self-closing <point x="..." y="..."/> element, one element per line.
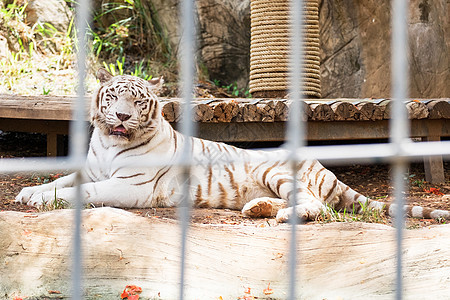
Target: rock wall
<point x="224" y="39"/>
<point x="355" y="43"/>
<point x="355" y="46"/>
<point x="55" y="12"/>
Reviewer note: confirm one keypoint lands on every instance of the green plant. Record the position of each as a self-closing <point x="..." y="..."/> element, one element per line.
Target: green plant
<point x="45" y="91"/>
<point x="13" y="18"/>
<point x="233" y="89"/>
<point x="36" y="50"/>
<point x="112" y="67"/>
<point x="55" y="203"/>
<point x="366" y="214"/>
<point x="141" y="71"/>
<point x="419" y="182"/>
<point x="131" y="27"/>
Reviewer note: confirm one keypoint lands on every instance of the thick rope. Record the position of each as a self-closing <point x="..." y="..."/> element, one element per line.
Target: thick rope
<point x="270" y="46"/>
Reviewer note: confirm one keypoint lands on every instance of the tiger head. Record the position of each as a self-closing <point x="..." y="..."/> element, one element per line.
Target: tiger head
<point x="126" y="107"/>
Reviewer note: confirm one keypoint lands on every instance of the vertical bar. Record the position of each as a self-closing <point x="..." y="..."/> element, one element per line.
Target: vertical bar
<point x="295" y="128"/>
<point x="78" y="142"/>
<point x="399" y="127"/>
<point x="187" y="47"/>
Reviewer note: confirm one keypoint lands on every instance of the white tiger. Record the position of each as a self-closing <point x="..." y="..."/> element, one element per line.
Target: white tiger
<point x="128" y="125"/>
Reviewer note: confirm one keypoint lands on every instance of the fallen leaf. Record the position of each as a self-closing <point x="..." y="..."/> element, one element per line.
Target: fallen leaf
<point x="54" y="292"/>
<point x="134" y="289"/>
<point x="130" y="292"/>
<point x="124" y="294"/>
<point x="268" y="290"/>
<point x="434" y="191"/>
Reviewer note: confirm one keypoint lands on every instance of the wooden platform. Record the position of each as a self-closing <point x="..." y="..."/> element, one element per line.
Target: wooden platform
<point x="251" y="120"/>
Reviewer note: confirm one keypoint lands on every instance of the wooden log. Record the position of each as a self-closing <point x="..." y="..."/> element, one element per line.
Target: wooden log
<point x="172" y="111"/>
<point x="202" y="112"/>
<point x="417" y="110"/>
<point x="369" y="111"/>
<point x="120" y="248"/>
<point x="257" y="110"/>
<point x="282" y="110"/>
<point x="345" y="111"/>
<point x="224" y="111"/>
<point x="250" y="112"/>
<point x="267" y="109"/>
<point x="385" y="106"/>
<point x="321" y="112"/>
<point x="439" y="109"/>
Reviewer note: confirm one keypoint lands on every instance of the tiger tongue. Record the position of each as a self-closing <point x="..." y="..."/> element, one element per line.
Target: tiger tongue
<point x="120" y="130"/>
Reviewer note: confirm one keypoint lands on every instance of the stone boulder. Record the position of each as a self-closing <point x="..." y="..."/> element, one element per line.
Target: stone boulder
<point x="4" y="49"/>
<point x="224" y="40"/>
<point x="55" y="12"/>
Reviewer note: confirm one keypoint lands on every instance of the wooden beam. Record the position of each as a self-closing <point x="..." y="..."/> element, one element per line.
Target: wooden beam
<point x="316" y="130"/>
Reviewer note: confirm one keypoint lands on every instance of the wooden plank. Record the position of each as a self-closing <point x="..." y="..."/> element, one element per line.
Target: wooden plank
<point x="259" y="131"/>
<point x="38" y="107"/>
<point x="120" y="248"/>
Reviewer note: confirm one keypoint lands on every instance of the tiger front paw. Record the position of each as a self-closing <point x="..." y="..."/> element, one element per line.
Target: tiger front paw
<point x="35" y="197"/>
<point x="26" y="194"/>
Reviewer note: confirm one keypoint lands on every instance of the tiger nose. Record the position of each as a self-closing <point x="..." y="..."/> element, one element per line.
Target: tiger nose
<point x="122" y="117"/>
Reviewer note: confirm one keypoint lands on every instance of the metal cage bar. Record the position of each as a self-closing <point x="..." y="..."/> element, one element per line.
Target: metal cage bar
<point x="295" y="130"/>
<point x="78" y="142"/>
<point x="187" y="49"/>
<point x="398" y="151"/>
<point x="399" y="128"/>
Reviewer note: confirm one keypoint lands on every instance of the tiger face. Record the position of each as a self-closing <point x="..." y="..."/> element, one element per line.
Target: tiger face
<point x="125" y="107"/>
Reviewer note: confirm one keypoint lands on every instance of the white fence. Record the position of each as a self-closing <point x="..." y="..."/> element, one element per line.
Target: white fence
<point x="399" y="151"/>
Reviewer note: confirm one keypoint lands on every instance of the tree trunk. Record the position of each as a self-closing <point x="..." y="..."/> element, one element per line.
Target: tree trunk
<point x="337" y="260"/>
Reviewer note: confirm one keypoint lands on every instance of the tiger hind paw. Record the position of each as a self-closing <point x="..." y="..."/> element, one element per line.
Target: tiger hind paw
<point x="263" y="207"/>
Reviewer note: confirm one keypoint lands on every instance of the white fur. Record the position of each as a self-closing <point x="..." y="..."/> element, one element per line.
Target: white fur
<point x="129" y="127"/>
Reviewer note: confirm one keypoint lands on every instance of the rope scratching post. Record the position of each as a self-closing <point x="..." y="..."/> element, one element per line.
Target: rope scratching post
<point x="269" y="48"/>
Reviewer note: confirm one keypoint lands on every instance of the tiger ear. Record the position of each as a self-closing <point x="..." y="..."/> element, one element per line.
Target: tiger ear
<point x="157" y="84"/>
<point x="103" y="75"/>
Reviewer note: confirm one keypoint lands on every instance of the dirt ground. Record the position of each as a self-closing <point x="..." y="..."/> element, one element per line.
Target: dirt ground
<point x="370" y="180"/>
